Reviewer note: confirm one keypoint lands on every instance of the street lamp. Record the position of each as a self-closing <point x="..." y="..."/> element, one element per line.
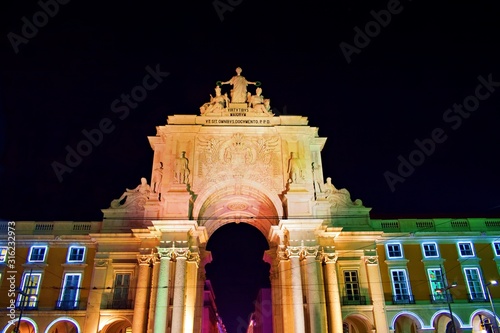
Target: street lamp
<point x="487" y="285"/>
<point x="446" y="290"/>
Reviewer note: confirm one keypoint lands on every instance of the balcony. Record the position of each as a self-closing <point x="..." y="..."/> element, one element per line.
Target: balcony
<point x="28" y="306"/>
<point x="441" y="298"/>
<point x="354" y="300"/>
<point x="70" y="305"/>
<point x="477" y="297"/>
<point x="118" y="304"/>
<point x="403" y="299"/>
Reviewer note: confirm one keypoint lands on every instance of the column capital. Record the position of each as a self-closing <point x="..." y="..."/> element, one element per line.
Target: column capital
<point x="371" y="260"/>
<point x="194" y="257"/>
<point x="310" y="251"/>
<point x="165" y="252"/>
<point x="282" y="253"/>
<point x="145" y="259"/>
<point x="180" y="253"/>
<point x="329" y="257"/>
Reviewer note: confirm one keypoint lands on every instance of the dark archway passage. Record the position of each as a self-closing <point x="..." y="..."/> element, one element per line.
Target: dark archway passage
<point x="237" y="272"/>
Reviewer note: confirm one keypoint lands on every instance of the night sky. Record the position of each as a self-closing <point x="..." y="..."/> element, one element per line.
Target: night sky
<point x="407" y="94"/>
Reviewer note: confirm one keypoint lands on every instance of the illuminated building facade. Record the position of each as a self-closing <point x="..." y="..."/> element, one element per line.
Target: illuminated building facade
<point x="333" y="268"/>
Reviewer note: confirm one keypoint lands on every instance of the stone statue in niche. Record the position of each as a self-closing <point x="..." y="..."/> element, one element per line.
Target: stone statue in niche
<point x="339" y="198"/>
<point x="239" y="90"/>
<point x="216" y="104"/>
<point x="295" y="170"/>
<point x="157" y="178"/>
<point x="133" y="197"/>
<point x="181" y="169"/>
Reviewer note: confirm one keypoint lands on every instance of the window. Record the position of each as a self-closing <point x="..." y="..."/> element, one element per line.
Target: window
<point x="76" y="254"/>
<point x="37" y="254"/>
<point x="401" y="289"/>
<point x="466" y="249"/>
<point x="70" y="292"/>
<point x="474" y="284"/>
<point x="437" y="285"/>
<point x="351" y="285"/>
<point x="30" y="287"/>
<point x="394" y="251"/>
<point x="496" y="248"/>
<point x="430" y="250"/>
<point x="3" y="254"/>
<point x="120" y="293"/>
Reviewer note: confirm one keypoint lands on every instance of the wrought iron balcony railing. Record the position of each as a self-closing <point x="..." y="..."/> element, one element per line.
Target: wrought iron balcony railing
<point x="403" y="299"/>
<point x="354" y="300"/>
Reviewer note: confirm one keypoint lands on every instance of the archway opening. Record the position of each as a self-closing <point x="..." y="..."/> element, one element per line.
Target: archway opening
<point x="237" y="272"/>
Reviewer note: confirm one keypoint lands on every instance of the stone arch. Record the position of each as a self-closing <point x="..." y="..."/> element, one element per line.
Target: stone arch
<point x="357" y="323"/>
<point x="441" y="320"/>
<point x="248" y="202"/>
<point x="63" y="325"/>
<point x="27" y="325"/>
<point x="117" y="325"/>
<point x="406" y="322"/>
<point x="481" y="318"/>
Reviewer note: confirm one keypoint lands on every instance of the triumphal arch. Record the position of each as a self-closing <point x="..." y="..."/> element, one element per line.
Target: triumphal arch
<point x="233" y="160"/>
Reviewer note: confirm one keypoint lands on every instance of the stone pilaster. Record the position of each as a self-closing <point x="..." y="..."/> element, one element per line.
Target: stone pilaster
<point x="285" y="280"/>
<point x="95" y="296"/>
<point x="152" y="293"/>
<point x="334" y="310"/>
<point x="376" y="293"/>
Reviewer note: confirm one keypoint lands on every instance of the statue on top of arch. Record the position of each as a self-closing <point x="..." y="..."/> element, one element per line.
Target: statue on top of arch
<point x="241" y="99"/>
<point x="338" y="198"/>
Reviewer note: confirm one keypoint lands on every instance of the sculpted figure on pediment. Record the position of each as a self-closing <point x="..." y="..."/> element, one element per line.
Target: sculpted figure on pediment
<point x="135" y="197"/>
<point x="295" y="169"/>
<point x="239" y="90"/>
<point x="181" y="169"/>
<point x="216" y="104"/>
<point x="339" y="198"/>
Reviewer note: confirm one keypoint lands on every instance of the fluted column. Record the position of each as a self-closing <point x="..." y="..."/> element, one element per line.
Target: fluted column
<point x="376" y="293"/>
<point x="297" y="296"/>
<point x="141" y="294"/>
<point x="314" y="289"/>
<point x="334" y="310"/>
<point x="162" y="288"/>
<point x="179" y="290"/>
<point x="192" y="264"/>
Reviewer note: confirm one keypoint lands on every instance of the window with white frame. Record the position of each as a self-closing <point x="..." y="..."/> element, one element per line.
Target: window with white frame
<point x="394" y="250"/>
<point x="496" y="248"/>
<point x="76" y="254"/>
<point x="3" y="254"/>
<point x="466" y="249"/>
<point x="70" y="291"/>
<point x="30" y="289"/>
<point x="430" y="250"/>
<point x="436" y="283"/>
<point x="474" y="283"/>
<point x="400" y="286"/>
<point x="37" y="253"/>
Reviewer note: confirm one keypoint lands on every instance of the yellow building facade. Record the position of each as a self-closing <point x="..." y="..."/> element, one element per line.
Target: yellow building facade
<point x="333" y="268"/>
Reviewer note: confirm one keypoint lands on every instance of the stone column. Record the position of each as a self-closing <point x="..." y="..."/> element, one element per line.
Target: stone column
<point x="334" y="310"/>
<point x="192" y="264"/>
<point x="152" y="292"/>
<point x="179" y="290"/>
<point x="314" y="289"/>
<point x="271" y="257"/>
<point x="141" y="294"/>
<point x="162" y="288"/>
<point x="95" y="295"/>
<point x="297" y="296"/>
<point x="376" y="293"/>
<point x="285" y="280"/>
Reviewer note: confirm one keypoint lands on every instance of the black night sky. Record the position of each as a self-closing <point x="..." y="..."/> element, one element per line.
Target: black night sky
<point x="389" y="83"/>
